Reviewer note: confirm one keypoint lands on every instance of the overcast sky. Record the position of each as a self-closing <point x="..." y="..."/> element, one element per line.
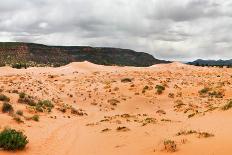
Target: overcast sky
<point x="167" y="29"/>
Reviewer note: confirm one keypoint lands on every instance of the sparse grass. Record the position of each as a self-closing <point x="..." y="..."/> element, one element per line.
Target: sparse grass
<point x="4" y="98"/>
<point x="227" y="106"/>
<point x="10" y="139"/>
<point x="198" y="133"/>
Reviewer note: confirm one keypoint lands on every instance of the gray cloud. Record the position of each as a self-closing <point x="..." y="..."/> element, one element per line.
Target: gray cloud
<point x="168" y="29"/>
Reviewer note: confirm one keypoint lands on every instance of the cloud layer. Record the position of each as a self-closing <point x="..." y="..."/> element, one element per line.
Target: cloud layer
<point x="168" y="29"/>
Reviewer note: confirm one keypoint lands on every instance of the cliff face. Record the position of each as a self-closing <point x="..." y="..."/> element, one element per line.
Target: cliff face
<point x="61" y="55"/>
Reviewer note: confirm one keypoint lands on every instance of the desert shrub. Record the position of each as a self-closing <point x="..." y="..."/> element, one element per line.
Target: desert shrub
<point x="204" y="91"/>
<point x="19" y="112"/>
<point x="35" y="118"/>
<point x="144" y="89"/>
<point x="19" y="65"/>
<point x="26" y="99"/>
<point x="22" y="95"/>
<point x="7" y="107"/>
<point x="159" y="89"/>
<point x="170" y="146"/>
<point x="227" y="106"/>
<point x="113" y="102"/>
<point x="4" y="98"/>
<point x="44" y="105"/>
<point x="10" y="139"/>
<point x="125" y="80"/>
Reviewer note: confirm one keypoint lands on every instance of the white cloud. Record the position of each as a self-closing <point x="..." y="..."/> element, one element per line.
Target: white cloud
<point x="168" y="29"/>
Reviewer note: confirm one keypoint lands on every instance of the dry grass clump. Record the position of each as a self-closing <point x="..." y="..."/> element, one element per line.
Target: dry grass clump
<point x="170" y="146"/>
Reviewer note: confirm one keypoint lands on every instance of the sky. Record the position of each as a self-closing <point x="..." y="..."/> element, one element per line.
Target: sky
<point x="168" y="29"/>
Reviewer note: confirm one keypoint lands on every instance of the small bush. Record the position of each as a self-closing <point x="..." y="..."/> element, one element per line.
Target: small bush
<point x="19" y="112"/>
<point x="11" y="139"/>
<point x="22" y="95"/>
<point x="159" y="89"/>
<point x="19" y="65"/>
<point x="44" y="105"/>
<point x="35" y="118"/>
<point x="125" y="80"/>
<point x="7" y="107"/>
<point x="26" y="99"/>
<point x="18" y="119"/>
<point x="4" y="98"/>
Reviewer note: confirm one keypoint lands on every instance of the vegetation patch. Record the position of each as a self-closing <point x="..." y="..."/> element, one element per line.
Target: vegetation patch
<point x="159" y="89"/>
<point x="10" y="139"/>
<point x="7" y="108"/>
<point x="170" y="146"/>
<point x="4" y="98"/>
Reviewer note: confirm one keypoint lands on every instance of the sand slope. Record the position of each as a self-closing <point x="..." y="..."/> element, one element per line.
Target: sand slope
<point x="149" y="118"/>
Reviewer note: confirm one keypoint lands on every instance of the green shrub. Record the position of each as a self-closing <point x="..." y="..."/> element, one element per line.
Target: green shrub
<point x="7" y="107"/>
<point x="35" y="118"/>
<point x="4" y="98"/>
<point x="19" y="65"/>
<point x="44" y="105"/>
<point x="10" y="139"/>
<point x="159" y="89"/>
<point x="204" y="90"/>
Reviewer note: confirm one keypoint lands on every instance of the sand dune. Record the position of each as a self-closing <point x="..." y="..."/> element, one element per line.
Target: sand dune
<point x="120" y="111"/>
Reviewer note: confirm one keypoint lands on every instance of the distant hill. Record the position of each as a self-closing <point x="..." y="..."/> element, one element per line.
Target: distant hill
<point x="38" y="54"/>
<point x="219" y="63"/>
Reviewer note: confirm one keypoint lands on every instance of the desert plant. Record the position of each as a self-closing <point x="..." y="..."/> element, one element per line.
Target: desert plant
<point x="35" y="118"/>
<point x="22" y="95"/>
<point x="44" y="105"/>
<point x="126" y="80"/>
<point x="159" y="89"/>
<point x="4" y="98"/>
<point x="10" y="139"/>
<point x="19" y="112"/>
<point x="7" y="107"/>
<point x="18" y="119"/>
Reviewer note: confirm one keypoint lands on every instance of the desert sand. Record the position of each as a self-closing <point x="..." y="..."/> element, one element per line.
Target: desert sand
<point x="120" y="111"/>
